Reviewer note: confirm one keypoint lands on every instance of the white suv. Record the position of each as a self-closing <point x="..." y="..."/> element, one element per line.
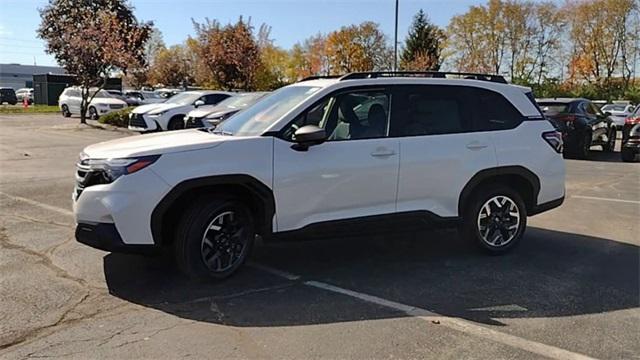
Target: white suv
<point x="358" y="153"/>
<point x="169" y="115"/>
<point x="103" y="103"/>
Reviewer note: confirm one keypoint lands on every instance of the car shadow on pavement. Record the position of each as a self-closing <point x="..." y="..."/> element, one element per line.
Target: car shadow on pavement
<point x="551" y="274"/>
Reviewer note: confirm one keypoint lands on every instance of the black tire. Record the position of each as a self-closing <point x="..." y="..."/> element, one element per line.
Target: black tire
<point x="13" y="103"/>
<point x="93" y="113"/>
<point x="627" y="155"/>
<point x="472" y="223"/>
<point x="176" y="123"/>
<point x="65" y="111"/>
<point x="197" y="240"/>
<point x="582" y="147"/>
<point x="611" y="141"/>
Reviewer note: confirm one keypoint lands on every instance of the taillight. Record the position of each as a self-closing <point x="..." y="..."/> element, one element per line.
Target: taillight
<point x="554" y="139"/>
<point x="632" y="120"/>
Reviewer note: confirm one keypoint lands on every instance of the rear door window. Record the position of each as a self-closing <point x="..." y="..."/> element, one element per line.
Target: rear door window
<point x="430" y="110"/>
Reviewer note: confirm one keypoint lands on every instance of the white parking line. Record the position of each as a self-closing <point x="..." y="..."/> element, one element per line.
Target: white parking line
<point x="39" y="204"/>
<point x="457" y="324"/>
<point x="273" y="271"/>
<point x="605" y="199"/>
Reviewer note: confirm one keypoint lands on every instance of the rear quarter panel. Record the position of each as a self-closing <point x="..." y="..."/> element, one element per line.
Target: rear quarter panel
<point x="524" y="146"/>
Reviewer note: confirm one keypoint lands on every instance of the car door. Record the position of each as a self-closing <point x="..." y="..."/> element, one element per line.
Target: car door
<point x="353" y="174"/>
<point x="602" y="122"/>
<point x="440" y="150"/>
<point x="74" y="101"/>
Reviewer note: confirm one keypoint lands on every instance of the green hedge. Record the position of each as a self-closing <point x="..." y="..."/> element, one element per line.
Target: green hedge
<point x="117" y="118"/>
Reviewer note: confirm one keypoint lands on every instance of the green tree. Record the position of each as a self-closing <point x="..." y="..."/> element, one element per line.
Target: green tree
<point x="423" y="47"/>
<point x="92" y="40"/>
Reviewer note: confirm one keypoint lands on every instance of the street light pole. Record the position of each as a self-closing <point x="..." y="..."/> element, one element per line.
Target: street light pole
<point x="395" y="42"/>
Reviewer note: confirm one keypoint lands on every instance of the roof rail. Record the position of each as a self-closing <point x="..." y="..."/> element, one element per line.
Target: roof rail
<point x="316" y="77"/>
<point x="428" y="74"/>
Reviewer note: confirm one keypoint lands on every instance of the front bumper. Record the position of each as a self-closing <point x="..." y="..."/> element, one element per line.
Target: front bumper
<point x="105" y="237"/>
<point x="142" y="123"/>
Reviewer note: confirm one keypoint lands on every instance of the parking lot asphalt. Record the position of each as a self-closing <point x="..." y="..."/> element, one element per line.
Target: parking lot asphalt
<point x="571" y="290"/>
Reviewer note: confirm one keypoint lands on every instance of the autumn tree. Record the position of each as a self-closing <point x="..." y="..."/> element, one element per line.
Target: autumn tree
<point x="423" y="46"/>
<point x="230" y="52"/>
<point x="358" y="48"/>
<point x="309" y="58"/>
<point x="172" y="67"/>
<point x="274" y="62"/>
<point x="599" y="32"/>
<point x="93" y="39"/>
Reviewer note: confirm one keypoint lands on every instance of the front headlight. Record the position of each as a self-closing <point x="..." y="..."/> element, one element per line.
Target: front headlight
<point x="111" y="169"/>
<point x="160" y="113"/>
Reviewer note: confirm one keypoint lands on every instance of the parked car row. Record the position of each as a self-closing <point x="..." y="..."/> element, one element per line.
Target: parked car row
<point x="583" y="125"/>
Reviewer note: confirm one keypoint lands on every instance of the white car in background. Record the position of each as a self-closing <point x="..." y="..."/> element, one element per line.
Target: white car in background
<point x="102" y="104"/>
<point x="144" y="97"/>
<point x="619" y="112"/>
<point x="211" y="115"/>
<point x="23" y="93"/>
<point x="169" y="115"/>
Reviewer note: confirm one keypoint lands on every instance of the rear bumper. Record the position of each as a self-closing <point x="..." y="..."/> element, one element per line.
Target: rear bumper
<point x="105" y="237"/>
<point x="540" y="208"/>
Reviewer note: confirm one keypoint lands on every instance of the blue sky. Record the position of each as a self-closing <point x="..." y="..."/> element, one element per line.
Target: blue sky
<point x="291" y="21"/>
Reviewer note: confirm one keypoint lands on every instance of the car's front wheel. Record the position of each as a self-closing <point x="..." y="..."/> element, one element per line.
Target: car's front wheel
<point x="214" y="238"/>
<point x="65" y="111"/>
<point x="495" y="219"/>
<point x="93" y="113"/>
<point x="176" y="123"/>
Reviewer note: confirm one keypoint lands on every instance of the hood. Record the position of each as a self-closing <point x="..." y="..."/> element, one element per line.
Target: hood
<point x="107" y="100"/>
<point x="153" y="108"/>
<point x="202" y="111"/>
<point x="153" y="144"/>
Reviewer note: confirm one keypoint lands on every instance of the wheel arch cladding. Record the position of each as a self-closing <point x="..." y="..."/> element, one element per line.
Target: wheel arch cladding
<point x="258" y="197"/>
<point x="521" y="179"/>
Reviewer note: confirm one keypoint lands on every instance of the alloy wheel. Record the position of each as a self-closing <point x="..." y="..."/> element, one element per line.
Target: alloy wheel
<point x="498" y="221"/>
<point x="224" y="241"/>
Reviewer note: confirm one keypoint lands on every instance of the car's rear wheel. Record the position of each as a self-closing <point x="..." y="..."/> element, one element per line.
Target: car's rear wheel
<point x="583" y="146"/>
<point x="627" y="155"/>
<point x="495" y="219"/>
<point x="65" y="111"/>
<point x="93" y="113"/>
<point x="176" y="123"/>
<point x="214" y="238"/>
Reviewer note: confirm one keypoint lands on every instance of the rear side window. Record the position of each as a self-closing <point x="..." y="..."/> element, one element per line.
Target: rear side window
<point x="72" y="92"/>
<point x="430" y="110"/>
<point x="496" y="112"/>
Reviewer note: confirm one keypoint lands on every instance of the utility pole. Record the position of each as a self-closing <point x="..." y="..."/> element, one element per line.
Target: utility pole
<point x="395" y="42"/>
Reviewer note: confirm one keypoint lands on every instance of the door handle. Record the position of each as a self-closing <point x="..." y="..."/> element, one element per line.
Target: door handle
<point x="476" y="145"/>
<point x="383" y="152"/>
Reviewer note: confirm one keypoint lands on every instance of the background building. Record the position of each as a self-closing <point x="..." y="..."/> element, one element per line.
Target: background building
<point x="20" y="76"/>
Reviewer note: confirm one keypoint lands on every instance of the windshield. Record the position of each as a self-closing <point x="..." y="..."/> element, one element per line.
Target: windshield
<point x="553" y="108"/>
<point x="185" y="98"/>
<point x="241" y="101"/>
<point x="257" y="118"/>
<point x="614" y="107"/>
<point x="104" y="94"/>
<point x="151" y="95"/>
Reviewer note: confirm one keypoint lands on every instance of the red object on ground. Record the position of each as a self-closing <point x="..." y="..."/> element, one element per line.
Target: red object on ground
<point x="25" y="102"/>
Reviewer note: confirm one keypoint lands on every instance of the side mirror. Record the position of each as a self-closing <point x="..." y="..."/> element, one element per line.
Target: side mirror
<point x="198" y="103"/>
<point x="307" y="136"/>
